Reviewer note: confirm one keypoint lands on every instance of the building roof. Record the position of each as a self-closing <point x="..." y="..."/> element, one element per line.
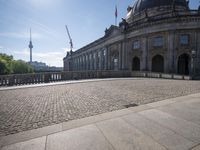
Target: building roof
<point x="141" y="5"/>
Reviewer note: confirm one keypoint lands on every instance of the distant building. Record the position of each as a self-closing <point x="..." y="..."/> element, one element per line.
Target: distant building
<point x="156" y="35"/>
<point x="40" y="66"/>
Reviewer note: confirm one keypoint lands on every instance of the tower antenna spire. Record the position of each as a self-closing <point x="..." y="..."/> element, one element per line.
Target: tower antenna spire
<point x="30" y="35"/>
<point x="30" y="46"/>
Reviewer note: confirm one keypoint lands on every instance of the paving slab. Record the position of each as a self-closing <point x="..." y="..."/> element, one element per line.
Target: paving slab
<point x="193" y="103"/>
<point x="31" y="134"/>
<point x="94" y="119"/>
<point x="169" y="101"/>
<point x="161" y="134"/>
<point x="83" y="138"/>
<point x="187" y="129"/>
<point x="34" y="144"/>
<point x="126" y="137"/>
<point x="187" y="111"/>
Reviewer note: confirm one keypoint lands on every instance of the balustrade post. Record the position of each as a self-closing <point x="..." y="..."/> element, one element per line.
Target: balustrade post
<point x="46" y="78"/>
<point x="11" y="81"/>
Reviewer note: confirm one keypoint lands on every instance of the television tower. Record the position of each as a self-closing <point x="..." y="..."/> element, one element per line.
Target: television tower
<point x="31" y="47"/>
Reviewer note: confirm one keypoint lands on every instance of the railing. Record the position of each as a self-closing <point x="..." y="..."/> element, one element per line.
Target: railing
<point x="159" y="75"/>
<point x="24" y="79"/>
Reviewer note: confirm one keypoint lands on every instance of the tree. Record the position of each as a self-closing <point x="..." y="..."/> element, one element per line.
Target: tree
<point x="4" y="69"/>
<point x="8" y="65"/>
<point x="6" y="57"/>
<point x="21" y="67"/>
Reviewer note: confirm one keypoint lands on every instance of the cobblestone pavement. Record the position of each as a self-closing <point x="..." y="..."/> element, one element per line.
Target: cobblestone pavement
<point x="31" y="108"/>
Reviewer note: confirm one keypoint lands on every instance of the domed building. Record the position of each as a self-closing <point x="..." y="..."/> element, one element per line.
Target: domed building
<point x="155" y="36"/>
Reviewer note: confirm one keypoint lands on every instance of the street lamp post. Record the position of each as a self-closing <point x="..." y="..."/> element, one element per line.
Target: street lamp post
<point x="193" y="63"/>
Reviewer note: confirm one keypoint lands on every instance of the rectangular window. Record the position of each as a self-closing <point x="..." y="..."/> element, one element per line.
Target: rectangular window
<point x="99" y="54"/>
<point x="90" y="56"/>
<point x="104" y="52"/>
<point x="158" y="41"/>
<point x="184" y="39"/>
<point x="94" y="56"/>
<point x="136" y="44"/>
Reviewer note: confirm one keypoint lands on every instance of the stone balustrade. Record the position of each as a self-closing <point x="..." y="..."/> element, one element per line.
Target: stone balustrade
<point x="37" y="78"/>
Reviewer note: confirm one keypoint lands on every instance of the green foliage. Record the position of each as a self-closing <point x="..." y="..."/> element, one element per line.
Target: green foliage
<point x="8" y="65"/>
<point x="4" y="69"/>
<point x="6" y="57"/>
<point x="20" y="67"/>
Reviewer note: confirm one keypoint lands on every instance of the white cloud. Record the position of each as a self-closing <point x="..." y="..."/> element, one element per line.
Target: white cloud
<point x="20" y="35"/>
<point x="65" y="50"/>
<point x="23" y="52"/>
<point x="1" y="47"/>
<point x="52" y="58"/>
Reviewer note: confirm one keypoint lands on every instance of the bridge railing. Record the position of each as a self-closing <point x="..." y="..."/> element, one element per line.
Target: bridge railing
<point x="159" y="75"/>
<point x="37" y="78"/>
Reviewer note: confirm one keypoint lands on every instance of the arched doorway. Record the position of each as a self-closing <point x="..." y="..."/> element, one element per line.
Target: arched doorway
<point x="136" y="64"/>
<point x="183" y="64"/>
<point x="158" y="63"/>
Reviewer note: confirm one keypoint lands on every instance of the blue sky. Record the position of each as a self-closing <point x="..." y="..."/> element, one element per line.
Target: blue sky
<point x="86" y="19"/>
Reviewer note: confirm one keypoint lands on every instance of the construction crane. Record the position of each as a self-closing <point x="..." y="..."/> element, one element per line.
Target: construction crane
<point x="70" y="39"/>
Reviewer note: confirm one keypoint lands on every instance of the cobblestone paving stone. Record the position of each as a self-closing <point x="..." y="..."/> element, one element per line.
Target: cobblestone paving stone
<point x="31" y="108"/>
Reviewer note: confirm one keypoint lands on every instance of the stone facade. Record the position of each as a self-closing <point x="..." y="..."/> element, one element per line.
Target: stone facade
<point x="158" y="39"/>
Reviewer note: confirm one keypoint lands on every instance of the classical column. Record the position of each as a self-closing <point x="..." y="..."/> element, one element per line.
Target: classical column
<point x="102" y="59"/>
<point x="81" y="62"/>
<point x="96" y="61"/>
<point x="99" y="60"/>
<point x="120" y="56"/>
<point x="126" y="55"/>
<point x="144" y="48"/>
<point x="75" y="64"/>
<point x="106" y="59"/>
<point x="78" y="63"/>
<point x="91" y="63"/>
<point x="87" y="61"/>
<point x="169" y="67"/>
<point x="84" y="56"/>
<point x="123" y="55"/>
<point x="109" y="59"/>
<point x="198" y="52"/>
<point x="77" y="67"/>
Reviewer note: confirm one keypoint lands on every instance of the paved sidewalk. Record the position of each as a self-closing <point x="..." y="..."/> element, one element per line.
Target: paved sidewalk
<point x="24" y="109"/>
<point x="172" y="124"/>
